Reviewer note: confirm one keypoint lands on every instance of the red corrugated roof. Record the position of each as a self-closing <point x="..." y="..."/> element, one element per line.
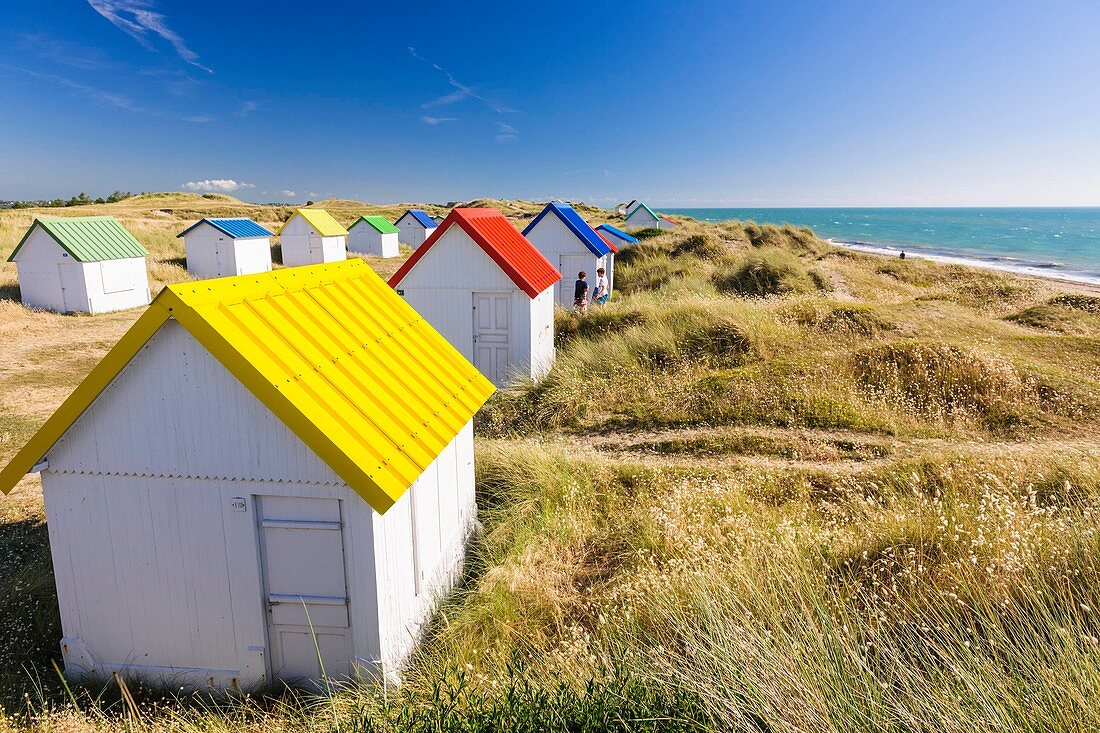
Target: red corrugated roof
<point x="524" y="264"/>
<point x="609" y="242"/>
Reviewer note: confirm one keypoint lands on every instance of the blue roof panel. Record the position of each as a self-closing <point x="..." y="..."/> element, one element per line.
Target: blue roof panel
<point x="237" y="227"/>
<point x="576" y="224"/>
<point x="421" y="216"/>
<point x="617" y="233"/>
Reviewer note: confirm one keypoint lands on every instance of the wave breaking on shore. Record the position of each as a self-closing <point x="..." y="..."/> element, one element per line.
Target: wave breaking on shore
<point x="1004" y="263"/>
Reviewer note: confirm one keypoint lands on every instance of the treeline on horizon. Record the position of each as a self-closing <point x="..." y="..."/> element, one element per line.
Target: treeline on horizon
<point x="80" y="199"/>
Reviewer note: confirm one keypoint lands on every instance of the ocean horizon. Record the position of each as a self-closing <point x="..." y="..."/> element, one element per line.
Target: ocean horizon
<point x="1058" y="242"/>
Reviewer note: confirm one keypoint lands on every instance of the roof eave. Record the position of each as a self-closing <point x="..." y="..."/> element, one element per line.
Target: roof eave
<point x="591" y="247"/>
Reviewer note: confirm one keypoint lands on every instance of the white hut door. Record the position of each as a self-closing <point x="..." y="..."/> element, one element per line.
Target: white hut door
<point x="305" y="584"/>
<point x="73" y="290"/>
<point x="570" y="266"/>
<point x="224" y="268"/>
<point x="492" y="333"/>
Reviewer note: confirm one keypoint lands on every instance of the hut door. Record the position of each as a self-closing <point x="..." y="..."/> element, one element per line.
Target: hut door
<point x="570" y="266"/>
<point x="316" y="249"/>
<point x="223" y="267"/>
<point x="73" y="291"/>
<point x="305" y="587"/>
<point x="492" y="332"/>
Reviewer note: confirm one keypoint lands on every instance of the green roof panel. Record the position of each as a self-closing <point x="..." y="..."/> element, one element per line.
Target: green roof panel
<point x="88" y="238"/>
<point x="381" y="223"/>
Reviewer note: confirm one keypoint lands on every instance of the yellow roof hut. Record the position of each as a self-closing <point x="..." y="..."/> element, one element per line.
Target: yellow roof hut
<point x="276" y="473"/>
<point x="312" y="237"/>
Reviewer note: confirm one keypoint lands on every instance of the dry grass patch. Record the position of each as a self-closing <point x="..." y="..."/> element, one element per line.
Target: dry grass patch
<point x="800" y="240"/>
<point x="704" y="245"/>
<point x="767" y="272"/>
<point x="1068" y="313"/>
<point x="846" y="319"/>
<point x="791" y="445"/>
<point x="946" y="383"/>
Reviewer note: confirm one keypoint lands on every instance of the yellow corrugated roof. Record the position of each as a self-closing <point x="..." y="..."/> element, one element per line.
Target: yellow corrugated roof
<point x="332" y="351"/>
<point x="321" y="221"/>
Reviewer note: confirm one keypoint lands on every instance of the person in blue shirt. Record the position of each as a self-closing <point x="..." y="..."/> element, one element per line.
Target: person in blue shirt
<point x="580" y="293"/>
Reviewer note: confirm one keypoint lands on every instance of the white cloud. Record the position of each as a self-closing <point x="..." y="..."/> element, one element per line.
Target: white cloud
<point x="198" y="118"/>
<point x="505" y="132"/>
<point x="139" y="19"/>
<point x="222" y="185"/>
<point x="461" y="91"/>
<point x="98" y="95"/>
<point x="288" y="193"/>
<point x="247" y="108"/>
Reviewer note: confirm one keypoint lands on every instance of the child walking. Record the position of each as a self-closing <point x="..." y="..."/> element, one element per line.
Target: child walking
<point x="603" y="287"/>
<point x="580" y="293"/>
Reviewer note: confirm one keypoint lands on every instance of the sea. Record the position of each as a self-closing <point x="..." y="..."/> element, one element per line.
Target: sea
<point x="1062" y="243"/>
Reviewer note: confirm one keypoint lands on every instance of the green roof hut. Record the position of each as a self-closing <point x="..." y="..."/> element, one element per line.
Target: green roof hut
<point x="81" y="264"/>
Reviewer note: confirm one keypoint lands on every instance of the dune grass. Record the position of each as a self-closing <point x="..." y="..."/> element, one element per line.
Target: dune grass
<point x="1069" y="313"/>
<point x="771" y="486"/>
<point x="769" y="271"/>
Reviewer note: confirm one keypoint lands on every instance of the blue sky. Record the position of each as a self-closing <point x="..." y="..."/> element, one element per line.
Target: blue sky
<point x="682" y="104"/>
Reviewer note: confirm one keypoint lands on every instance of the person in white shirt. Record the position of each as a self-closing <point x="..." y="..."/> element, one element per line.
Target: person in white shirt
<point x="603" y="287"/>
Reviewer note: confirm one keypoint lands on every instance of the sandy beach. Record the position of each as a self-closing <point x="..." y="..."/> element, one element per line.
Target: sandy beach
<point x="1067" y="283"/>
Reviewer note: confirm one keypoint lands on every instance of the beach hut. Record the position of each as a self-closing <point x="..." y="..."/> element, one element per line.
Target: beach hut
<point x="223" y="247"/>
<point x="81" y="264"/>
<point x="311" y="237"/>
<point x="416" y="226"/>
<point x="643" y="217"/>
<point x="564" y="238"/>
<point x="625" y="209"/>
<point x="488" y="291"/>
<point x="373" y="235"/>
<point x="615" y="236"/>
<point x="269" y="475"/>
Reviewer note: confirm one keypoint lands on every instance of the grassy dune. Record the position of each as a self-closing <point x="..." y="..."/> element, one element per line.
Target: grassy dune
<point x="772" y="486"/>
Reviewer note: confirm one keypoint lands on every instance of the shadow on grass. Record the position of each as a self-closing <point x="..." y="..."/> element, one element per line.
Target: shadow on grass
<point x="30" y="624"/>
<point x="10" y="292"/>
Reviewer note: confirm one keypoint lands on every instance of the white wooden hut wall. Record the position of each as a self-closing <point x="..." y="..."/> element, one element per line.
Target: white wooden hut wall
<point x="568" y="253"/>
<point x="413" y="233"/>
<point x="642" y="220"/>
<point x="50" y="278"/>
<point x="441" y="288"/>
<point x="171" y="587"/>
<point x="365" y="239"/>
<point x="213" y="253"/>
<point x="302" y="245"/>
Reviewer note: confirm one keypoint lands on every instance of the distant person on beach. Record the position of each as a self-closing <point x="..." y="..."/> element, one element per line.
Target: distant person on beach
<point x="903" y="255"/>
<point x="580" y="293"/>
<point x="603" y="287"/>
